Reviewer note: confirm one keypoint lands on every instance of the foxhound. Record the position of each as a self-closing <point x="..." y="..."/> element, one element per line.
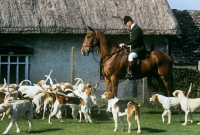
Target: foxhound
<point x="17" y="109"/>
<point x="168" y="104"/>
<point x="121" y="108"/>
<point x="188" y="105"/>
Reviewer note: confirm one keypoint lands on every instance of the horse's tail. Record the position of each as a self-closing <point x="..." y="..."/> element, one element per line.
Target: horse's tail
<point x="151" y="47"/>
<point x="148" y="52"/>
<point x="172" y="83"/>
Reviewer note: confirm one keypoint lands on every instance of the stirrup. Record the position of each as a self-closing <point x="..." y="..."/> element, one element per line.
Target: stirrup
<point x="129" y="76"/>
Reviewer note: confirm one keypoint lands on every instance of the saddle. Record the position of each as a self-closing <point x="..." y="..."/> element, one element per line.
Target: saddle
<point x="139" y="58"/>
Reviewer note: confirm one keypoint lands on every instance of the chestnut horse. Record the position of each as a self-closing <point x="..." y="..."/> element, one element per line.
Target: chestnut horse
<point x="115" y="62"/>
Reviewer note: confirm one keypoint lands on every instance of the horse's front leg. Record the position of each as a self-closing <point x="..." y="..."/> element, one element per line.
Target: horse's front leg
<point x="108" y="84"/>
<point x="114" y="83"/>
<point x="108" y="88"/>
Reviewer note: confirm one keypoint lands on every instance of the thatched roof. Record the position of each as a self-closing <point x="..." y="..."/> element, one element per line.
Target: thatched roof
<point x="72" y="16"/>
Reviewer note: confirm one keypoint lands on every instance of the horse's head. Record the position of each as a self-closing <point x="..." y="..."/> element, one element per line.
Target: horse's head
<point x="89" y="42"/>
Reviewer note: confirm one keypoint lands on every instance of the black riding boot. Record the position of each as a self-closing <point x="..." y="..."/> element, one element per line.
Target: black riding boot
<point x="129" y="70"/>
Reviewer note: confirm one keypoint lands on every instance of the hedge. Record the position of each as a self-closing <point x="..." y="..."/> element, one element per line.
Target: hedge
<point x="183" y="77"/>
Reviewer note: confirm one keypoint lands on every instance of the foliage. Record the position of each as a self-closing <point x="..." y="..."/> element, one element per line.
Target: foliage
<point x="183" y="77"/>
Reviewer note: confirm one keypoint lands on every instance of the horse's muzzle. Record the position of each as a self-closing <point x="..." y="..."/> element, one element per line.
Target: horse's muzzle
<point x="85" y="53"/>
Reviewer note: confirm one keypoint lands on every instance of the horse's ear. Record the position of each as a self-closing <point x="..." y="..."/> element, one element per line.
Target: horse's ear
<point x="91" y="29"/>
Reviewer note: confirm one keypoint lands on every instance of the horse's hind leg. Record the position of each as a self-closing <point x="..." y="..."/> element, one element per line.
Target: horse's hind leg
<point x="168" y="81"/>
<point x="162" y="83"/>
<point x="169" y="84"/>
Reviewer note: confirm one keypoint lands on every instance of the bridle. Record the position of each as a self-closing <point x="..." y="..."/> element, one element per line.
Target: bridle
<point x="105" y="57"/>
<point x="91" y="48"/>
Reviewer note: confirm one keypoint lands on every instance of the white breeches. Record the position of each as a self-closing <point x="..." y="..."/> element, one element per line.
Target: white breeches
<point x="131" y="56"/>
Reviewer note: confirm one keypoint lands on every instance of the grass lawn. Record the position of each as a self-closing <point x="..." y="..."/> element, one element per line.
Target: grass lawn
<point x="151" y="124"/>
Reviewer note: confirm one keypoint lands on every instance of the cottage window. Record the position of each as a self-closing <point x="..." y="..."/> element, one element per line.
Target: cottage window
<point x="14" y="68"/>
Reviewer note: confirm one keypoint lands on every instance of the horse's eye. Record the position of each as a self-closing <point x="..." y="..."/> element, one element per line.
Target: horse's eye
<point x="89" y="36"/>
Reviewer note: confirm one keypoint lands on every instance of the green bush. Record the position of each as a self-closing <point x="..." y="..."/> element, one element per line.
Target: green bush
<point x="183" y="77"/>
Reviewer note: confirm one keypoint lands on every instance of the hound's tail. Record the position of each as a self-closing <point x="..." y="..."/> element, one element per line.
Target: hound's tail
<point x="24" y="81"/>
<point x="188" y="93"/>
<point x="5" y="83"/>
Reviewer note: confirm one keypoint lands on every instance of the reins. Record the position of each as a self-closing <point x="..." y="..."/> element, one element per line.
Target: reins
<point x="95" y="58"/>
<point x="109" y="55"/>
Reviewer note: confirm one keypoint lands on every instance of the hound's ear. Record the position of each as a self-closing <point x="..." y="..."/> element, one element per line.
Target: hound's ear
<point x="176" y="94"/>
<point x="96" y="86"/>
<point x="39" y="84"/>
<point x="7" y="109"/>
<point x="91" y="29"/>
<point x="111" y="95"/>
<point x="83" y="90"/>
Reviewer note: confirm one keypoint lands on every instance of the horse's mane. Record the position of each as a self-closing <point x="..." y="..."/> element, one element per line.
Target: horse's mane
<point x="110" y="39"/>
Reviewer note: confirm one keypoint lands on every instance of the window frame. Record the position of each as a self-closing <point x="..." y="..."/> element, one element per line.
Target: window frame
<point x="16" y="63"/>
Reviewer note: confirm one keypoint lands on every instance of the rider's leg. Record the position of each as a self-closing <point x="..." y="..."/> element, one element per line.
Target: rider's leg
<point x="131" y="63"/>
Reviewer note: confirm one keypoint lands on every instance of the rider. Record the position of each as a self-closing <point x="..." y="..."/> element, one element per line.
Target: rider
<point x="137" y="45"/>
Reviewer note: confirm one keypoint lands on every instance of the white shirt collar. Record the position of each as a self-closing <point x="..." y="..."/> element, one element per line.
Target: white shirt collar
<point x="132" y="25"/>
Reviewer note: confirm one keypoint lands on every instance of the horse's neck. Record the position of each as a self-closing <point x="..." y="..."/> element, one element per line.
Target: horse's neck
<point x="106" y="46"/>
<point x="105" y="49"/>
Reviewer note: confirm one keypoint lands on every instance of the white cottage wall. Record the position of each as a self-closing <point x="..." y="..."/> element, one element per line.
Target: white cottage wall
<point x="53" y="51"/>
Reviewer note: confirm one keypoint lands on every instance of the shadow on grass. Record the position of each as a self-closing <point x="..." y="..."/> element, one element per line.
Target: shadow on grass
<point x="152" y="130"/>
<point x="175" y="112"/>
<point x="153" y="112"/>
<point x="103" y="116"/>
<point x="46" y="130"/>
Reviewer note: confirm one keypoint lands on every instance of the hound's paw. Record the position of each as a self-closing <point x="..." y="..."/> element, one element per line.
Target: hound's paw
<point x="109" y="113"/>
<point x="90" y="121"/>
<point x="184" y="124"/>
